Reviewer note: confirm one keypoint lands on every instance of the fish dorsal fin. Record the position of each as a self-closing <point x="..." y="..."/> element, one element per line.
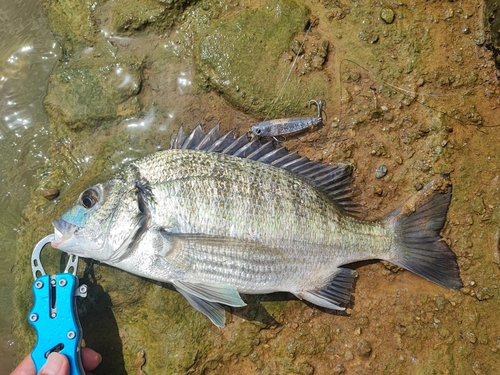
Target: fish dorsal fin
<point x="335" y="182"/>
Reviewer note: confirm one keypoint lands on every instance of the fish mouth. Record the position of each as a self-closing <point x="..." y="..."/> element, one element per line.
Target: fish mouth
<point x="63" y="232"/>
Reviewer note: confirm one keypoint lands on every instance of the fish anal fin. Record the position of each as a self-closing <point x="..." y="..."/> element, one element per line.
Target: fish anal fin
<point x="335" y="293"/>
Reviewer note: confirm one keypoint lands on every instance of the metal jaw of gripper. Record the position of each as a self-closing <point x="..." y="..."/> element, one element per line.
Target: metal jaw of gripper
<point x="54" y="313"/>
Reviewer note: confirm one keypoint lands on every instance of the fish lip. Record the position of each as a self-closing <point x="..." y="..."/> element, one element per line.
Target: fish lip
<point x="63" y="231"/>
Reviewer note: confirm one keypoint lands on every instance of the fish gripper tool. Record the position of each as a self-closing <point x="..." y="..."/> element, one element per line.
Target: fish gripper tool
<point x="54" y="313"/>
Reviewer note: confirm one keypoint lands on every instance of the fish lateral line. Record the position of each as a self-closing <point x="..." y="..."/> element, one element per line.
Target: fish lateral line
<point x="289" y="125"/>
<point x="411" y="94"/>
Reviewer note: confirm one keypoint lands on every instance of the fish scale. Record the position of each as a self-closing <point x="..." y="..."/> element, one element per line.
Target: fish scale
<point x="219" y="223"/>
<point x="307" y="207"/>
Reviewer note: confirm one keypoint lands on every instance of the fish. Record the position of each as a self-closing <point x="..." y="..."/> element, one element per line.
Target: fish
<point x="218" y="216"/>
<point x="289" y="125"/>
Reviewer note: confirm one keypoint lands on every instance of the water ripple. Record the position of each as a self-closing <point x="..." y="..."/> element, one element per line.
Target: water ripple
<point x="28" y="52"/>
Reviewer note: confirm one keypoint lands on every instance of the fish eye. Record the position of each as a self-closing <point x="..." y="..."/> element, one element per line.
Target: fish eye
<point x="89" y="198"/>
<point x="258" y="131"/>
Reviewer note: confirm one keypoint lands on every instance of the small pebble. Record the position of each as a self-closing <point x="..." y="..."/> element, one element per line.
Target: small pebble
<point x="296" y="47"/>
<point x="387" y="15"/>
<point x="348" y="356"/>
<point x="377" y="190"/>
<point x="49" y="193"/>
<point x="339" y="369"/>
<point x="418" y="186"/>
<point x="471" y="337"/>
<point x="364" y="348"/>
<point x="381" y="171"/>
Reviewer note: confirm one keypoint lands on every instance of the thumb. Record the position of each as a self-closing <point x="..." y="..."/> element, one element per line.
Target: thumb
<point x="57" y="364"/>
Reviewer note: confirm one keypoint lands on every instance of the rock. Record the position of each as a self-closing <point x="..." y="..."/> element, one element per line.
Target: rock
<point x="296" y="47"/>
<point x="85" y="94"/>
<point x="72" y="22"/>
<point x="339" y="369"/>
<point x="244" y="58"/>
<point x="364" y="348"/>
<point x="492" y="26"/>
<point x="387" y="15"/>
<point x="49" y="193"/>
<point x="135" y="15"/>
<point x="381" y="171"/>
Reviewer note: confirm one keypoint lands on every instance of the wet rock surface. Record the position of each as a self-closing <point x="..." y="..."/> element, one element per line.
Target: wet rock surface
<point x="72" y="22"/>
<point x="92" y="93"/>
<point x="492" y="26"/>
<point x="245" y="58"/>
<point x="417" y="96"/>
<point x="130" y="15"/>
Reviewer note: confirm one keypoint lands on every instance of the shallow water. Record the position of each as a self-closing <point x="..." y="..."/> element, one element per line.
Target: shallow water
<point x="27" y="54"/>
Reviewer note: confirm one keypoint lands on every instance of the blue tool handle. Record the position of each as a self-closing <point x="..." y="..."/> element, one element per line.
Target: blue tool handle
<point x="55" y="320"/>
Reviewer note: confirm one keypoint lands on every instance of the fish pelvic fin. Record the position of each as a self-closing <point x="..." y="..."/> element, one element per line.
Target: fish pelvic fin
<point x="226" y="294"/>
<point x="418" y="245"/>
<point x="206" y="298"/>
<point x="212" y="310"/>
<point x="335" y="293"/>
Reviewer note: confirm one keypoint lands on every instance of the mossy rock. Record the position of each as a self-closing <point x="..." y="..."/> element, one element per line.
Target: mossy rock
<point x="245" y="59"/>
<point x="136" y="15"/>
<point x="492" y="26"/>
<point x="72" y="22"/>
<point x="86" y="95"/>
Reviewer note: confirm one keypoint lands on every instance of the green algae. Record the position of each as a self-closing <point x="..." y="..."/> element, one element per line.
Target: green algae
<point x="492" y="26"/>
<point x="136" y="15"/>
<point x="72" y="22"/>
<point x="90" y="94"/>
<point x="242" y="57"/>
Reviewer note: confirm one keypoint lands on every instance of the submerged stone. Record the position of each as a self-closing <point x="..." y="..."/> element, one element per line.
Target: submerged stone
<point x="85" y="95"/>
<point x="72" y="22"/>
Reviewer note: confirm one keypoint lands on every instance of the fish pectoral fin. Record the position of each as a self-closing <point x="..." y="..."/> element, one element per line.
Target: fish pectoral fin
<point x="221" y="293"/>
<point x="211" y="310"/>
<point x="336" y="292"/>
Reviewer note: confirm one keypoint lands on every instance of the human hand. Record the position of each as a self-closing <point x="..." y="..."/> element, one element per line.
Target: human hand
<point x="58" y="364"/>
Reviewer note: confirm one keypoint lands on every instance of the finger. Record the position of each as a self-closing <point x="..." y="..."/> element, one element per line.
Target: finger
<point x="90" y="359"/>
<point x="57" y="364"/>
<point x="26" y="367"/>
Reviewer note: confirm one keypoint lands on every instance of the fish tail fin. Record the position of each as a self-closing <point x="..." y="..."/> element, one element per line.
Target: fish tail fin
<point x="418" y="245"/>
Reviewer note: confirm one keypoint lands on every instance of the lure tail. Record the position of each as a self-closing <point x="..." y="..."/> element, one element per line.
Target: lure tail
<point x="418" y="245"/>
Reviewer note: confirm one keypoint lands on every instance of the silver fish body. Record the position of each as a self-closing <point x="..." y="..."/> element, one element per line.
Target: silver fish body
<point x="217" y="217"/>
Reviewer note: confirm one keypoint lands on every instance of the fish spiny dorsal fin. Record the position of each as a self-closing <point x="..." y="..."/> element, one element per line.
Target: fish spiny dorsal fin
<point x="335" y="182"/>
<point x="177" y="140"/>
<point x="209" y="138"/>
<point x="194" y="139"/>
